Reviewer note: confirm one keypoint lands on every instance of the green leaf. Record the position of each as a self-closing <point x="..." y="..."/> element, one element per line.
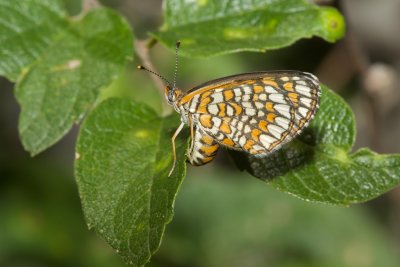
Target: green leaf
<point x="59" y="63"/>
<point x="319" y="165"/>
<point x="213" y="27"/>
<point x="28" y="29"/>
<point x="124" y="155"/>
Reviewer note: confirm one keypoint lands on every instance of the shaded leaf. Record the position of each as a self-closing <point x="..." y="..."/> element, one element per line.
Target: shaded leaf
<point x="319" y="165"/>
<point x="59" y="63"/>
<point x="124" y="155"/>
<point x="213" y="27"/>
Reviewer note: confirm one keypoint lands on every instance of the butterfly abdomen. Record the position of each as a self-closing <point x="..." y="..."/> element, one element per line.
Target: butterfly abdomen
<point x="204" y="149"/>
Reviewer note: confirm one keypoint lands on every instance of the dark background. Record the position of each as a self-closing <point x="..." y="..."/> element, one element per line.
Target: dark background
<point x="223" y="217"/>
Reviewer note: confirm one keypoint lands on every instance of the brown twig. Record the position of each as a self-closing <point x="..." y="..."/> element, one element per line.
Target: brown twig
<point x="90" y="4"/>
<point x="142" y="48"/>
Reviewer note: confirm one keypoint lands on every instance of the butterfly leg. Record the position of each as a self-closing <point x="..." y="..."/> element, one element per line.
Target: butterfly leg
<point x="173" y="146"/>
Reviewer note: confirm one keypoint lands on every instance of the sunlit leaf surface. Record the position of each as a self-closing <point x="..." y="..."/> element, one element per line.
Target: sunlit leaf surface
<point x="124" y="156"/>
<point x="213" y="27"/>
<point x="59" y="63"/>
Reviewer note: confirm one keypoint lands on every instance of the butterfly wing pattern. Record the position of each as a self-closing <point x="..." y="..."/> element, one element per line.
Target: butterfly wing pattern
<point x="253" y="112"/>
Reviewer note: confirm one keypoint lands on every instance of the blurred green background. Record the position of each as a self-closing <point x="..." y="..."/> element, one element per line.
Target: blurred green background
<point x="222" y="217"/>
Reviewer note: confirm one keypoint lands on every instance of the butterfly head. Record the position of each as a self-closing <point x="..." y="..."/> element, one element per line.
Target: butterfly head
<point x="172" y="94"/>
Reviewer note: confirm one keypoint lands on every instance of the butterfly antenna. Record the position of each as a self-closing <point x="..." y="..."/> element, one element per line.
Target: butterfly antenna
<point x="176" y="61"/>
<point x="140" y="67"/>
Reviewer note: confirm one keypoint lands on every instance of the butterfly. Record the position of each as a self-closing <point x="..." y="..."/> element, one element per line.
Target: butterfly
<point x="252" y="112"/>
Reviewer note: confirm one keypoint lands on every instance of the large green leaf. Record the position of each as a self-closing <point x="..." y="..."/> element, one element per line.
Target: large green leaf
<point x="124" y="155"/>
<point x="59" y="63"/>
<point x="319" y="166"/>
<point x="213" y="27"/>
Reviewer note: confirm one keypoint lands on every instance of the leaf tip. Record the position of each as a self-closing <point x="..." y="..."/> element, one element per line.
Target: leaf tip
<point x="334" y="24"/>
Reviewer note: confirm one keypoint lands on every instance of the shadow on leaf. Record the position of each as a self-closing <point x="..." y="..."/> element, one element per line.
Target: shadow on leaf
<point x="297" y="153"/>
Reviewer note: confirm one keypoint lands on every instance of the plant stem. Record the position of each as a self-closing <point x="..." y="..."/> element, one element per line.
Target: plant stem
<point x="90" y="4"/>
<point x="143" y="51"/>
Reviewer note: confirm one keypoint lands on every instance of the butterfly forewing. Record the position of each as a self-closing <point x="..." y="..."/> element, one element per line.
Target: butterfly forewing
<point x="255" y="112"/>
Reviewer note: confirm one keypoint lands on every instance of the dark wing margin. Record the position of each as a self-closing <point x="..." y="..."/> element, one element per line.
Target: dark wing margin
<point x="250" y="76"/>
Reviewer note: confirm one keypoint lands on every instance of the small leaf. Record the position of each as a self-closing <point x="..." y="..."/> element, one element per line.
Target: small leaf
<point x="318" y="166"/>
<point x="124" y="155"/>
<point x="59" y="63"/>
<point x="213" y="27"/>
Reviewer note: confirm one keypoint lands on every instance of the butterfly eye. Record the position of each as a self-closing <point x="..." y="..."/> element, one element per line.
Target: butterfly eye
<point x="171" y="96"/>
